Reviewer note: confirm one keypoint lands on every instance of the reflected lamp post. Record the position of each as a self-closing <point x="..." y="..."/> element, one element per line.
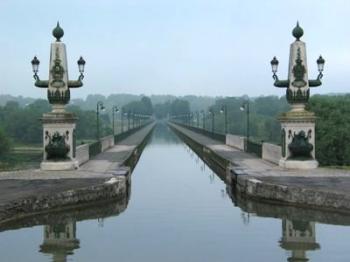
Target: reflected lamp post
<point x="99" y="106"/>
<point x="115" y="110"/>
<point x="223" y="110"/>
<point x="245" y="107"/>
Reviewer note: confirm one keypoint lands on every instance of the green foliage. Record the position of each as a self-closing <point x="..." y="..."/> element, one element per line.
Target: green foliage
<point x="5" y="143"/>
<point x="263" y="124"/>
<point x="22" y="123"/>
<point x="332" y="129"/>
<point x="143" y="106"/>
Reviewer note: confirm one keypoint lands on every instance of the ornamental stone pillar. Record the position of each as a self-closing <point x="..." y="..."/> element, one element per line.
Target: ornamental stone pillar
<point x="59" y="139"/>
<point x="298" y="125"/>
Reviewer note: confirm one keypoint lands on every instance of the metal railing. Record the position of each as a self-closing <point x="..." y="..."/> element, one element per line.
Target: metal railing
<point x="217" y="136"/>
<point x="125" y="134"/>
<point x="95" y="148"/>
<point x="254" y="147"/>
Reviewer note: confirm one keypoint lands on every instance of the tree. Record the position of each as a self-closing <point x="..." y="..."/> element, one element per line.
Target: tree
<point x="5" y="143"/>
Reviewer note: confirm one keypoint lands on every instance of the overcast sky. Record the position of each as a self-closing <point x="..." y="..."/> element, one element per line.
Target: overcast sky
<point x="201" y="47"/>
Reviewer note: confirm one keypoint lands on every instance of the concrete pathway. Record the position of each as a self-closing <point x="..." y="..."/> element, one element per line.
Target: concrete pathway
<point x="99" y="178"/>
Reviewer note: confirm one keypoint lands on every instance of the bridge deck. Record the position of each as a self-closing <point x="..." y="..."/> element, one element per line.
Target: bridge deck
<point x="17" y="187"/>
<point x="321" y="187"/>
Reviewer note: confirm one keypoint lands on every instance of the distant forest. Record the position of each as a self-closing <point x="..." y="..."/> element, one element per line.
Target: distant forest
<point x="19" y="118"/>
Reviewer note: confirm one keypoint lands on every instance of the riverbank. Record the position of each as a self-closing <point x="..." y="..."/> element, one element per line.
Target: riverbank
<point x="103" y="177"/>
<point x="255" y="178"/>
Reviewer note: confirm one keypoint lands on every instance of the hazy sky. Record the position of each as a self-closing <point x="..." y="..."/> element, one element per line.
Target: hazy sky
<point x="201" y="47"/>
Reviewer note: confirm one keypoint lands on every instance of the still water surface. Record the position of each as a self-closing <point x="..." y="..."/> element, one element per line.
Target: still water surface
<point x="179" y="210"/>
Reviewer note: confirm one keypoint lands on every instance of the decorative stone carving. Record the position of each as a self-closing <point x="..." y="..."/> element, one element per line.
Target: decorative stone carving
<point x="300" y="147"/>
<point x="57" y="148"/>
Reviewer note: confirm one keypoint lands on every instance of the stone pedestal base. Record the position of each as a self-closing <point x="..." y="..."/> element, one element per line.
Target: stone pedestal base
<point x="59" y="124"/>
<point x="298" y="164"/>
<point x="59" y="165"/>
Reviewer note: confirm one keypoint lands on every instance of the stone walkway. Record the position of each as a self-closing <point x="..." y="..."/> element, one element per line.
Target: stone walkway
<point x="18" y="189"/>
<point x="321" y="187"/>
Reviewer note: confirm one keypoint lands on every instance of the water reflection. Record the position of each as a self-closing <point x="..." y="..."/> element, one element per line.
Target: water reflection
<point x="180" y="211"/>
<point x="163" y="136"/>
<point x="298" y="237"/>
<point x="60" y="240"/>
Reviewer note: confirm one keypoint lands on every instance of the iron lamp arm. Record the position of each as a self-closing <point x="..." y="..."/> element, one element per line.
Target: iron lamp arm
<point x="40" y="83"/>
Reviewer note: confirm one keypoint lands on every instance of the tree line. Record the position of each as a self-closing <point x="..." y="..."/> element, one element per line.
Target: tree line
<point x="20" y="122"/>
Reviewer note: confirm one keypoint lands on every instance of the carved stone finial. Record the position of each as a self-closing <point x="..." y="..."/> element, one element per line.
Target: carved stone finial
<point x="58" y="32"/>
<point x="298" y="32"/>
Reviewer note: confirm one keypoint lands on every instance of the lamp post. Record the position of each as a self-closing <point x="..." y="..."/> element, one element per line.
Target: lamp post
<point x="245" y="107"/>
<point x="128" y="116"/>
<point x="59" y="144"/>
<point x="211" y="112"/>
<point x="115" y="109"/>
<point x="298" y="125"/>
<point x="99" y="106"/>
<point x="122" y="120"/>
<point x="203" y="118"/>
<point x="197" y="114"/>
<point x="224" y="110"/>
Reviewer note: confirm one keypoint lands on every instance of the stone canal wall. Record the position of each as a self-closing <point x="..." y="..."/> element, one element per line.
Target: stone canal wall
<point x="261" y="180"/>
<point x="105" y="177"/>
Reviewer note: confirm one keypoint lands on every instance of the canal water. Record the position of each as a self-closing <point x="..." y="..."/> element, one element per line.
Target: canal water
<point x="178" y="209"/>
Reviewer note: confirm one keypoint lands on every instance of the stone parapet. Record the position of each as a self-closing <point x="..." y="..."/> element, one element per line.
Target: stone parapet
<point x="107" y="142"/>
<point x="82" y="154"/>
<point x="235" y="141"/>
<point x="271" y="152"/>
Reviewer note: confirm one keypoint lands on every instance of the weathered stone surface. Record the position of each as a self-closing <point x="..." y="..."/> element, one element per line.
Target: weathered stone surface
<point x="82" y="154"/>
<point x="271" y="152"/>
<point x="320" y="188"/>
<point x="235" y="141"/>
<point x="29" y="192"/>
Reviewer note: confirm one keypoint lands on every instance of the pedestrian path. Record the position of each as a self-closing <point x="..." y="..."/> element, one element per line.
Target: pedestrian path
<point x="258" y="178"/>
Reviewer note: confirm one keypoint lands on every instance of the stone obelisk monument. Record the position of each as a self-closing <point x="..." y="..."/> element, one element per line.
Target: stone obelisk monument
<point x="59" y="140"/>
<point x="298" y="125"/>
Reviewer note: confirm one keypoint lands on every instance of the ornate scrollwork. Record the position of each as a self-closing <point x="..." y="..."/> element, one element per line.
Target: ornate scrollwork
<point x="299" y="72"/>
<point x="57" y="72"/>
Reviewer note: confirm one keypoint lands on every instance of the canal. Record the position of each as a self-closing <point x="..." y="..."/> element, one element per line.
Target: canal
<point x="178" y="209"/>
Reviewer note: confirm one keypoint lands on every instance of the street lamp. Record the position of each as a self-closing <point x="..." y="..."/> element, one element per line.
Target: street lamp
<point x="245" y="107"/>
<point x="197" y="114"/>
<point x="58" y="78"/>
<point x="122" y="120"/>
<point x="115" y="109"/>
<point x="59" y="126"/>
<point x="211" y="112"/>
<point x="99" y="106"/>
<point x="203" y="117"/>
<point x="128" y="115"/>
<point x="298" y="83"/>
<point x="224" y="110"/>
<point x="298" y="125"/>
